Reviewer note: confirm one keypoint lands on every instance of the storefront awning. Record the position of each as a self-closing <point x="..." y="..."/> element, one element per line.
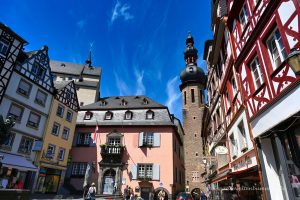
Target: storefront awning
<point x="17" y="162"/>
<point x="245" y="172"/>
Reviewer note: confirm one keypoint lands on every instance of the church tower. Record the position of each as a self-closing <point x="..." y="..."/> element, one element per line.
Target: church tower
<point x="193" y="104"/>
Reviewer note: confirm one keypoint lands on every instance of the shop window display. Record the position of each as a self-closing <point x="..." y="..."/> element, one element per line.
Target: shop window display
<point x="12" y="178"/>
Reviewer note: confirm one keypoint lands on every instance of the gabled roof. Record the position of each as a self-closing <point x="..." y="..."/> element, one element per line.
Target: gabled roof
<point x="123" y="102"/>
<point x="61" y="84"/>
<point x="73" y="68"/>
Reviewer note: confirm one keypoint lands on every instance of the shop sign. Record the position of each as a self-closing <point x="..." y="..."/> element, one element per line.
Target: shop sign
<point x="243" y="163"/>
<point x="221" y="150"/>
<point x="37" y="145"/>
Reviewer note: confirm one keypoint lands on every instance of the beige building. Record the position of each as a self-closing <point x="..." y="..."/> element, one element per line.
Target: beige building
<point x="57" y="141"/>
<point x="87" y="78"/>
<point x="193" y="106"/>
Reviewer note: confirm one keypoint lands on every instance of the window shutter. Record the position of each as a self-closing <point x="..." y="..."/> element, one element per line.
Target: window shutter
<point x="156" y="142"/>
<point x="134" y="171"/>
<point x="155" y="175"/>
<point x="141" y="135"/>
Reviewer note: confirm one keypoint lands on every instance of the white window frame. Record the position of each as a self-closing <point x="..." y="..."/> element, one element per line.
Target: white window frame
<point x="148" y="138"/>
<point x="57" y="130"/>
<point x="256" y="72"/>
<point x="279" y="48"/>
<point x="50" y="151"/>
<point x="128" y="115"/>
<point x="61" y="154"/>
<point x="25" y="145"/>
<point x="42" y="98"/>
<point x="79" y="168"/>
<point x="114" y="141"/>
<point x="57" y="111"/>
<point x="32" y="123"/>
<point x="85" y="138"/>
<point x="145" y="171"/>
<point x="21" y="90"/>
<point x="88" y="115"/>
<point x="69" y="113"/>
<point x="242" y="137"/>
<point x="243" y="16"/>
<point x="4" y="46"/>
<point x="108" y="115"/>
<point x="65" y="133"/>
<point x="17" y="118"/>
<point x="149" y="114"/>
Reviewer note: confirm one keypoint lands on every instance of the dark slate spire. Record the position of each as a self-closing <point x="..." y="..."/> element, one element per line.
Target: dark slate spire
<point x="190" y="53"/>
<point x="89" y="59"/>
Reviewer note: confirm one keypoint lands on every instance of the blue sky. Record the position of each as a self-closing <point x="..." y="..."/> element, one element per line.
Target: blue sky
<point x="138" y="44"/>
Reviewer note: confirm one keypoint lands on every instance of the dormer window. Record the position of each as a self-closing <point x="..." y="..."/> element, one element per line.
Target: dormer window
<point x="38" y="71"/>
<point x="124" y="103"/>
<point x="149" y="114"/>
<point x="128" y="115"/>
<point x="108" y="115"/>
<point x="145" y="101"/>
<point x="103" y="103"/>
<point x="88" y="115"/>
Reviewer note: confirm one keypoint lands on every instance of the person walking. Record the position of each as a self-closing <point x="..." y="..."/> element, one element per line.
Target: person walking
<point x="91" y="195"/>
<point x="126" y="193"/>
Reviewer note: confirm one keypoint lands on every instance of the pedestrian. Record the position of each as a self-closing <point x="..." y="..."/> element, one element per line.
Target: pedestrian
<point x="91" y="195"/>
<point x="126" y="193"/>
<point x="203" y="196"/>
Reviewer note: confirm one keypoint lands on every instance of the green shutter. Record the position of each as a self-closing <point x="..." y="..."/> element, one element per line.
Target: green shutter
<point x="156" y="138"/>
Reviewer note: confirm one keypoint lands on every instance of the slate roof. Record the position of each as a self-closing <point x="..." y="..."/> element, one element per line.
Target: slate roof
<point x="61" y="84"/>
<point x="87" y="83"/>
<point x="117" y="102"/>
<point x="73" y="68"/>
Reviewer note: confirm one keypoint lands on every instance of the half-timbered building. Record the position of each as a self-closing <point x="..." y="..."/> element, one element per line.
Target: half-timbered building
<point x="263" y="33"/>
<point x="10" y="46"/>
<point x="27" y="99"/>
<point x="136" y="143"/>
<point x="57" y="140"/>
<point x="86" y="76"/>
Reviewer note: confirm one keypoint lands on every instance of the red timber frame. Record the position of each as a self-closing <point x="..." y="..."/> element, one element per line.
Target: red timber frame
<point x="263" y="19"/>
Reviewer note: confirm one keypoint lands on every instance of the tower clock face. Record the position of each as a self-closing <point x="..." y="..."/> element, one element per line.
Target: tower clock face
<point x="191" y="69"/>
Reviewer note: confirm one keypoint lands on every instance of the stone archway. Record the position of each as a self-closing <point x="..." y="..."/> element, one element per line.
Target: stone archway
<point x="108" y="181"/>
<point x="158" y="190"/>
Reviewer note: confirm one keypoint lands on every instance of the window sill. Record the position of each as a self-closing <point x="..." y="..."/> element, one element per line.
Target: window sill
<point x="33" y="127"/>
<point x="23" y="95"/>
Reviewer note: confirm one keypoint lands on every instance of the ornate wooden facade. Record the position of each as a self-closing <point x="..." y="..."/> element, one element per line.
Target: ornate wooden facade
<point x="36" y="67"/>
<point x="8" y="56"/>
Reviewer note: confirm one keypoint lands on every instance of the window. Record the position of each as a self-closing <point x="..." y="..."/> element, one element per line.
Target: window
<point x="70" y="78"/>
<point x="195" y="176"/>
<point x="68" y="95"/>
<point x="60" y="111"/>
<point x="148" y="139"/>
<point x="256" y="73"/>
<point x="79" y="168"/>
<point x="184" y="97"/>
<point x="193" y="95"/>
<point x="55" y="129"/>
<point x="233" y="84"/>
<point x="69" y="116"/>
<point x="24" y="88"/>
<point x="38" y="71"/>
<point x="149" y="114"/>
<point x="128" y="115"/>
<point x="61" y="154"/>
<point x="65" y="133"/>
<point x="108" y="115"/>
<point x="242" y="136"/>
<point x="196" y="154"/>
<point x="41" y="97"/>
<point x="84" y="139"/>
<point x="103" y="103"/>
<point x="145" y="101"/>
<point x="15" y="112"/>
<point x="88" y="115"/>
<point x="7" y="145"/>
<point x="50" y="151"/>
<point x="25" y="145"/>
<point x="243" y="17"/>
<point x="124" y="102"/>
<point x="114" y="141"/>
<point x="4" y="46"/>
<point x="145" y="171"/>
<point x="233" y="147"/>
<point x="276" y="49"/>
<point x="33" y="120"/>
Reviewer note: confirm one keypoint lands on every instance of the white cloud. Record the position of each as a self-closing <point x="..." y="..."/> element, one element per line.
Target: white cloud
<point x="81" y="23"/>
<point x="122" y="86"/>
<point x="121" y="11"/>
<point x="173" y="94"/>
<point x="140" y="87"/>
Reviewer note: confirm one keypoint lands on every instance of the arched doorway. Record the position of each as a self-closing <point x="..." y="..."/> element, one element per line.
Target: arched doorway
<point x="108" y="181"/>
<point x="196" y="193"/>
<point x="161" y="194"/>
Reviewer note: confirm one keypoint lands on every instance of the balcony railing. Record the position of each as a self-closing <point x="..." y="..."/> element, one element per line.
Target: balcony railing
<point x="111" y="150"/>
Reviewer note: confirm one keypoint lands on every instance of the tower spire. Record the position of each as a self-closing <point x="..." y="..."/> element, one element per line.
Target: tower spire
<point x="190" y="53"/>
<point x="88" y="62"/>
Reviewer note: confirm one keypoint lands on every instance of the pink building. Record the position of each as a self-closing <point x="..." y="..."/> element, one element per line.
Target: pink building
<point x="139" y="144"/>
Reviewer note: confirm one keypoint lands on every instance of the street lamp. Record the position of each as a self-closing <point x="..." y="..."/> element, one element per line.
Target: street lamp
<point x="293" y="60"/>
